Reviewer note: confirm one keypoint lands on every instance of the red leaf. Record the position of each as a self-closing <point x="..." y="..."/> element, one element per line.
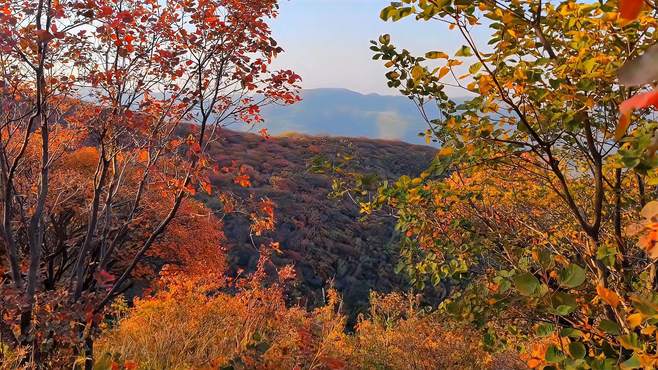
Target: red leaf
<point x="639" y="101"/>
<point x="44" y="35"/>
<point x="105" y="279"/>
<point x="630" y="9"/>
<point x="56" y="33"/>
<point x="105" y="11"/>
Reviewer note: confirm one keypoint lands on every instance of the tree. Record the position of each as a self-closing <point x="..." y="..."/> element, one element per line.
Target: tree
<point x="526" y="208"/>
<point x="109" y="106"/>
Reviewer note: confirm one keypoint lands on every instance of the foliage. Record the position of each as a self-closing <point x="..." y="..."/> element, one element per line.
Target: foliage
<point x="527" y="207"/>
<point x="107" y="111"/>
<point x="320" y="235"/>
<point x="185" y="327"/>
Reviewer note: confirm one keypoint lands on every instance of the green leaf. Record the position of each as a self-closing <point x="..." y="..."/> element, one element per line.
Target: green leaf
<point x="571" y="333"/>
<point x="577" y="350"/>
<point x="631" y="363"/>
<point x="564" y="309"/>
<point x="474" y="68"/>
<point x="554" y="355"/>
<point x="526" y="283"/>
<point x="563" y="303"/>
<point x="572" y="276"/>
<point x="604" y="364"/>
<point x="606" y="254"/>
<point x="464" y="51"/>
<point x="545" y="330"/>
<point x="610" y="327"/>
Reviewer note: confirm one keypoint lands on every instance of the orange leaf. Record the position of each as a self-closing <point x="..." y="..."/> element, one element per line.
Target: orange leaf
<point x="242" y="180"/>
<point x="206" y="187"/>
<point x="639" y="101"/>
<point x="630" y="9"/>
<point x="534" y="363"/>
<point x="143" y="155"/>
<point x="608" y="296"/>
<point x="624" y="122"/>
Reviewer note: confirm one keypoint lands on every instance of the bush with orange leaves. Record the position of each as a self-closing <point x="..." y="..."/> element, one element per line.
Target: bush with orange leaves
<point x="191" y="326"/>
<point x="187" y="326"/>
<point x="399" y="334"/>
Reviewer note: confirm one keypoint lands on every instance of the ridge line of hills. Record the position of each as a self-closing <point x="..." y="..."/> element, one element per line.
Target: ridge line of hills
<point x="339" y="112"/>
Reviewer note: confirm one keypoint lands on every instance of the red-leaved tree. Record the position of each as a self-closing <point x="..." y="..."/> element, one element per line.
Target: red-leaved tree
<point x="107" y="108"/>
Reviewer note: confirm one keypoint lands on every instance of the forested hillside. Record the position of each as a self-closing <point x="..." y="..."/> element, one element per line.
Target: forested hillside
<point x="322" y="237"/>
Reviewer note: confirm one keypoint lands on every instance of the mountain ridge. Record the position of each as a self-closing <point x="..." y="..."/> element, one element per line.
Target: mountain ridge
<point x="340" y="112"/>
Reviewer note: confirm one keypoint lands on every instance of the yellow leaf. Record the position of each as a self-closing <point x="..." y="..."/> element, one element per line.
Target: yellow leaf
<point x="417" y="72"/>
<point x="634" y="320"/>
<point x="446" y="151"/>
<point x="436" y="55"/>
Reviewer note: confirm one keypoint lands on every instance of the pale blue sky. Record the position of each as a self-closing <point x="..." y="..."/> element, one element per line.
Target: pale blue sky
<point x="327" y="41"/>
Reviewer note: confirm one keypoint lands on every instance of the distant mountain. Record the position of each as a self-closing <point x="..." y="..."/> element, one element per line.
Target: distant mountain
<point x="341" y="112"/>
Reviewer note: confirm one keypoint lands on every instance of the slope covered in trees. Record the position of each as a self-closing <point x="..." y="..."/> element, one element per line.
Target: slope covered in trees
<point x="322" y="236"/>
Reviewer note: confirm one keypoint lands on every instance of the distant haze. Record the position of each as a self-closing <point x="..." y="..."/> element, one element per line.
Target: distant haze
<point x="341" y="112"/>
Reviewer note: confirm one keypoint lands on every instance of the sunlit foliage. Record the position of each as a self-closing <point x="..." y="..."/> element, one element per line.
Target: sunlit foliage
<point x="526" y="210"/>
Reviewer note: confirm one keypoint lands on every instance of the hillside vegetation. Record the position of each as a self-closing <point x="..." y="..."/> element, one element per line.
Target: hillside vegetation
<point x="323" y="237"/>
<point x="138" y="233"/>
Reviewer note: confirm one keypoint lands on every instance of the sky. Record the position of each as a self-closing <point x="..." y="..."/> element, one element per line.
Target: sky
<point x="327" y="42"/>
